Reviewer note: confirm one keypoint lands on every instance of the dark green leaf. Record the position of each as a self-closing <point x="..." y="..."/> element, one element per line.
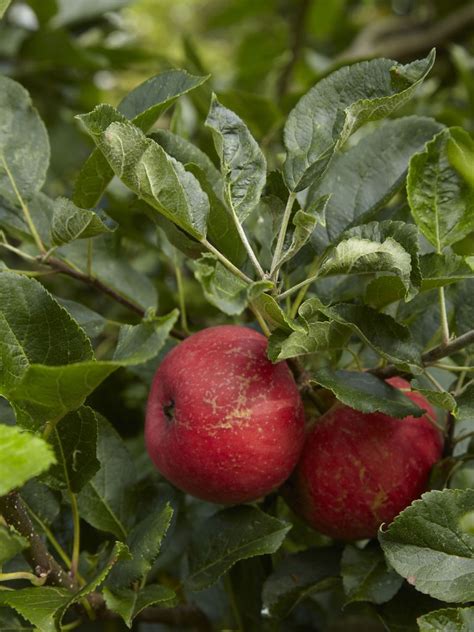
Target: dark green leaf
<point x="221" y="288"/>
<point x="129" y="603"/>
<point x="366" y="392"/>
<point x="426" y="545"/>
<point x="228" y="536"/>
<point x="74" y="440"/>
<point x="365" y="575"/>
<point x="360" y="181"/>
<point x="107" y="501"/>
<point x="243" y="164"/>
<point x="298" y="576"/>
<point x="338" y="105"/>
<point x="440" y="270"/>
<point x="144" y="543"/>
<point x="465" y="404"/>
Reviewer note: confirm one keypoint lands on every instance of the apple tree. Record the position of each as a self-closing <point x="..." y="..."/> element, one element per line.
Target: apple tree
<point x="338" y="245"/>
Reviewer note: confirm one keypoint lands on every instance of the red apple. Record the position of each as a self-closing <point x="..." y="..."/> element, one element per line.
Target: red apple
<point x="359" y="470"/>
<point x="223" y="423"/>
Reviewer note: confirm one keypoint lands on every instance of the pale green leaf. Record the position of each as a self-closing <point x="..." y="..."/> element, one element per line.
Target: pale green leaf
<point x="388" y="247"/>
<point x="228" y="536"/>
<point x="441" y="201"/>
<point x="338" y="105"/>
<point x="24" y="144"/>
<point x="426" y="545"/>
<point x="143" y="105"/>
<point x="22" y="456"/>
<point x="221" y="288"/>
<point x="11" y="543"/>
<point x="3" y="6"/>
<point x="243" y="164"/>
<point x="146" y="169"/>
<point x="447" y="620"/>
<point x="440" y="270"/>
<point x="69" y="222"/>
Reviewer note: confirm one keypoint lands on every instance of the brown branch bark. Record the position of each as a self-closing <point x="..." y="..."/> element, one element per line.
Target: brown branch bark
<point x="37" y="555"/>
<point x="297" y="41"/>
<point x="431" y="356"/>
<point x="405" y="37"/>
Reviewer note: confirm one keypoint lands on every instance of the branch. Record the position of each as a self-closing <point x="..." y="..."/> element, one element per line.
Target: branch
<point x="60" y="266"/>
<point x="404" y="38"/>
<point x="428" y="358"/>
<point x="37" y="555"/>
<point x="297" y="36"/>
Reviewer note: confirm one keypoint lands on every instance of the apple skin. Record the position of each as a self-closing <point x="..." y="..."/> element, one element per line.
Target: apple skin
<point x="359" y="470"/>
<point x="223" y="423"/>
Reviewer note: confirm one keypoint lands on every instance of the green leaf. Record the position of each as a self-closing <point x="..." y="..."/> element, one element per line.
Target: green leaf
<point x="107" y="500"/>
<point x="91" y="322"/>
<point x="144" y="543"/>
<point x="143" y="106"/>
<point x="338" y="105"/>
<point x="221" y="228"/>
<point x="320" y="336"/>
<point x="360" y="182"/>
<point x="390" y="247"/>
<point x="297" y="577"/>
<point x="465" y="404"/>
<point x="228" y="536"/>
<point x="112" y="267"/>
<point x="22" y="456"/>
<point x="221" y="288"/>
<point x="385" y="335"/>
<point x="444" y="269"/>
<point x="85" y="11"/>
<point x="69" y="222"/>
<point x="271" y="311"/>
<point x="46" y="606"/>
<point x="365" y="575"/>
<point x="366" y="392"/>
<point x="11" y="543"/>
<point x="50" y="368"/>
<point x="74" y="440"/>
<point x="129" y="603"/>
<point x="447" y="620"/>
<point x="146" y="169"/>
<point x="188" y="154"/>
<point x="441" y="201"/>
<point x="24" y="144"/>
<point x="441" y="399"/>
<point x="3" y="6"/>
<point x="304" y="222"/>
<point x="243" y="164"/>
<point x="426" y="545"/>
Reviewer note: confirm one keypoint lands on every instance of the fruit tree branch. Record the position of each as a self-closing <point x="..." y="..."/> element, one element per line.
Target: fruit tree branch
<point x="405" y="37"/>
<point x="41" y="561"/>
<point x="60" y="266"/>
<point x="431" y="356"/>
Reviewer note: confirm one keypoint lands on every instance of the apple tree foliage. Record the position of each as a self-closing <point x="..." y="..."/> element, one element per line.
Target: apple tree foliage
<point x="347" y="240"/>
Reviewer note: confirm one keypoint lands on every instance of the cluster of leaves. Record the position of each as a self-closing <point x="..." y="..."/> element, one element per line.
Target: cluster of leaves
<point x="351" y="252"/>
